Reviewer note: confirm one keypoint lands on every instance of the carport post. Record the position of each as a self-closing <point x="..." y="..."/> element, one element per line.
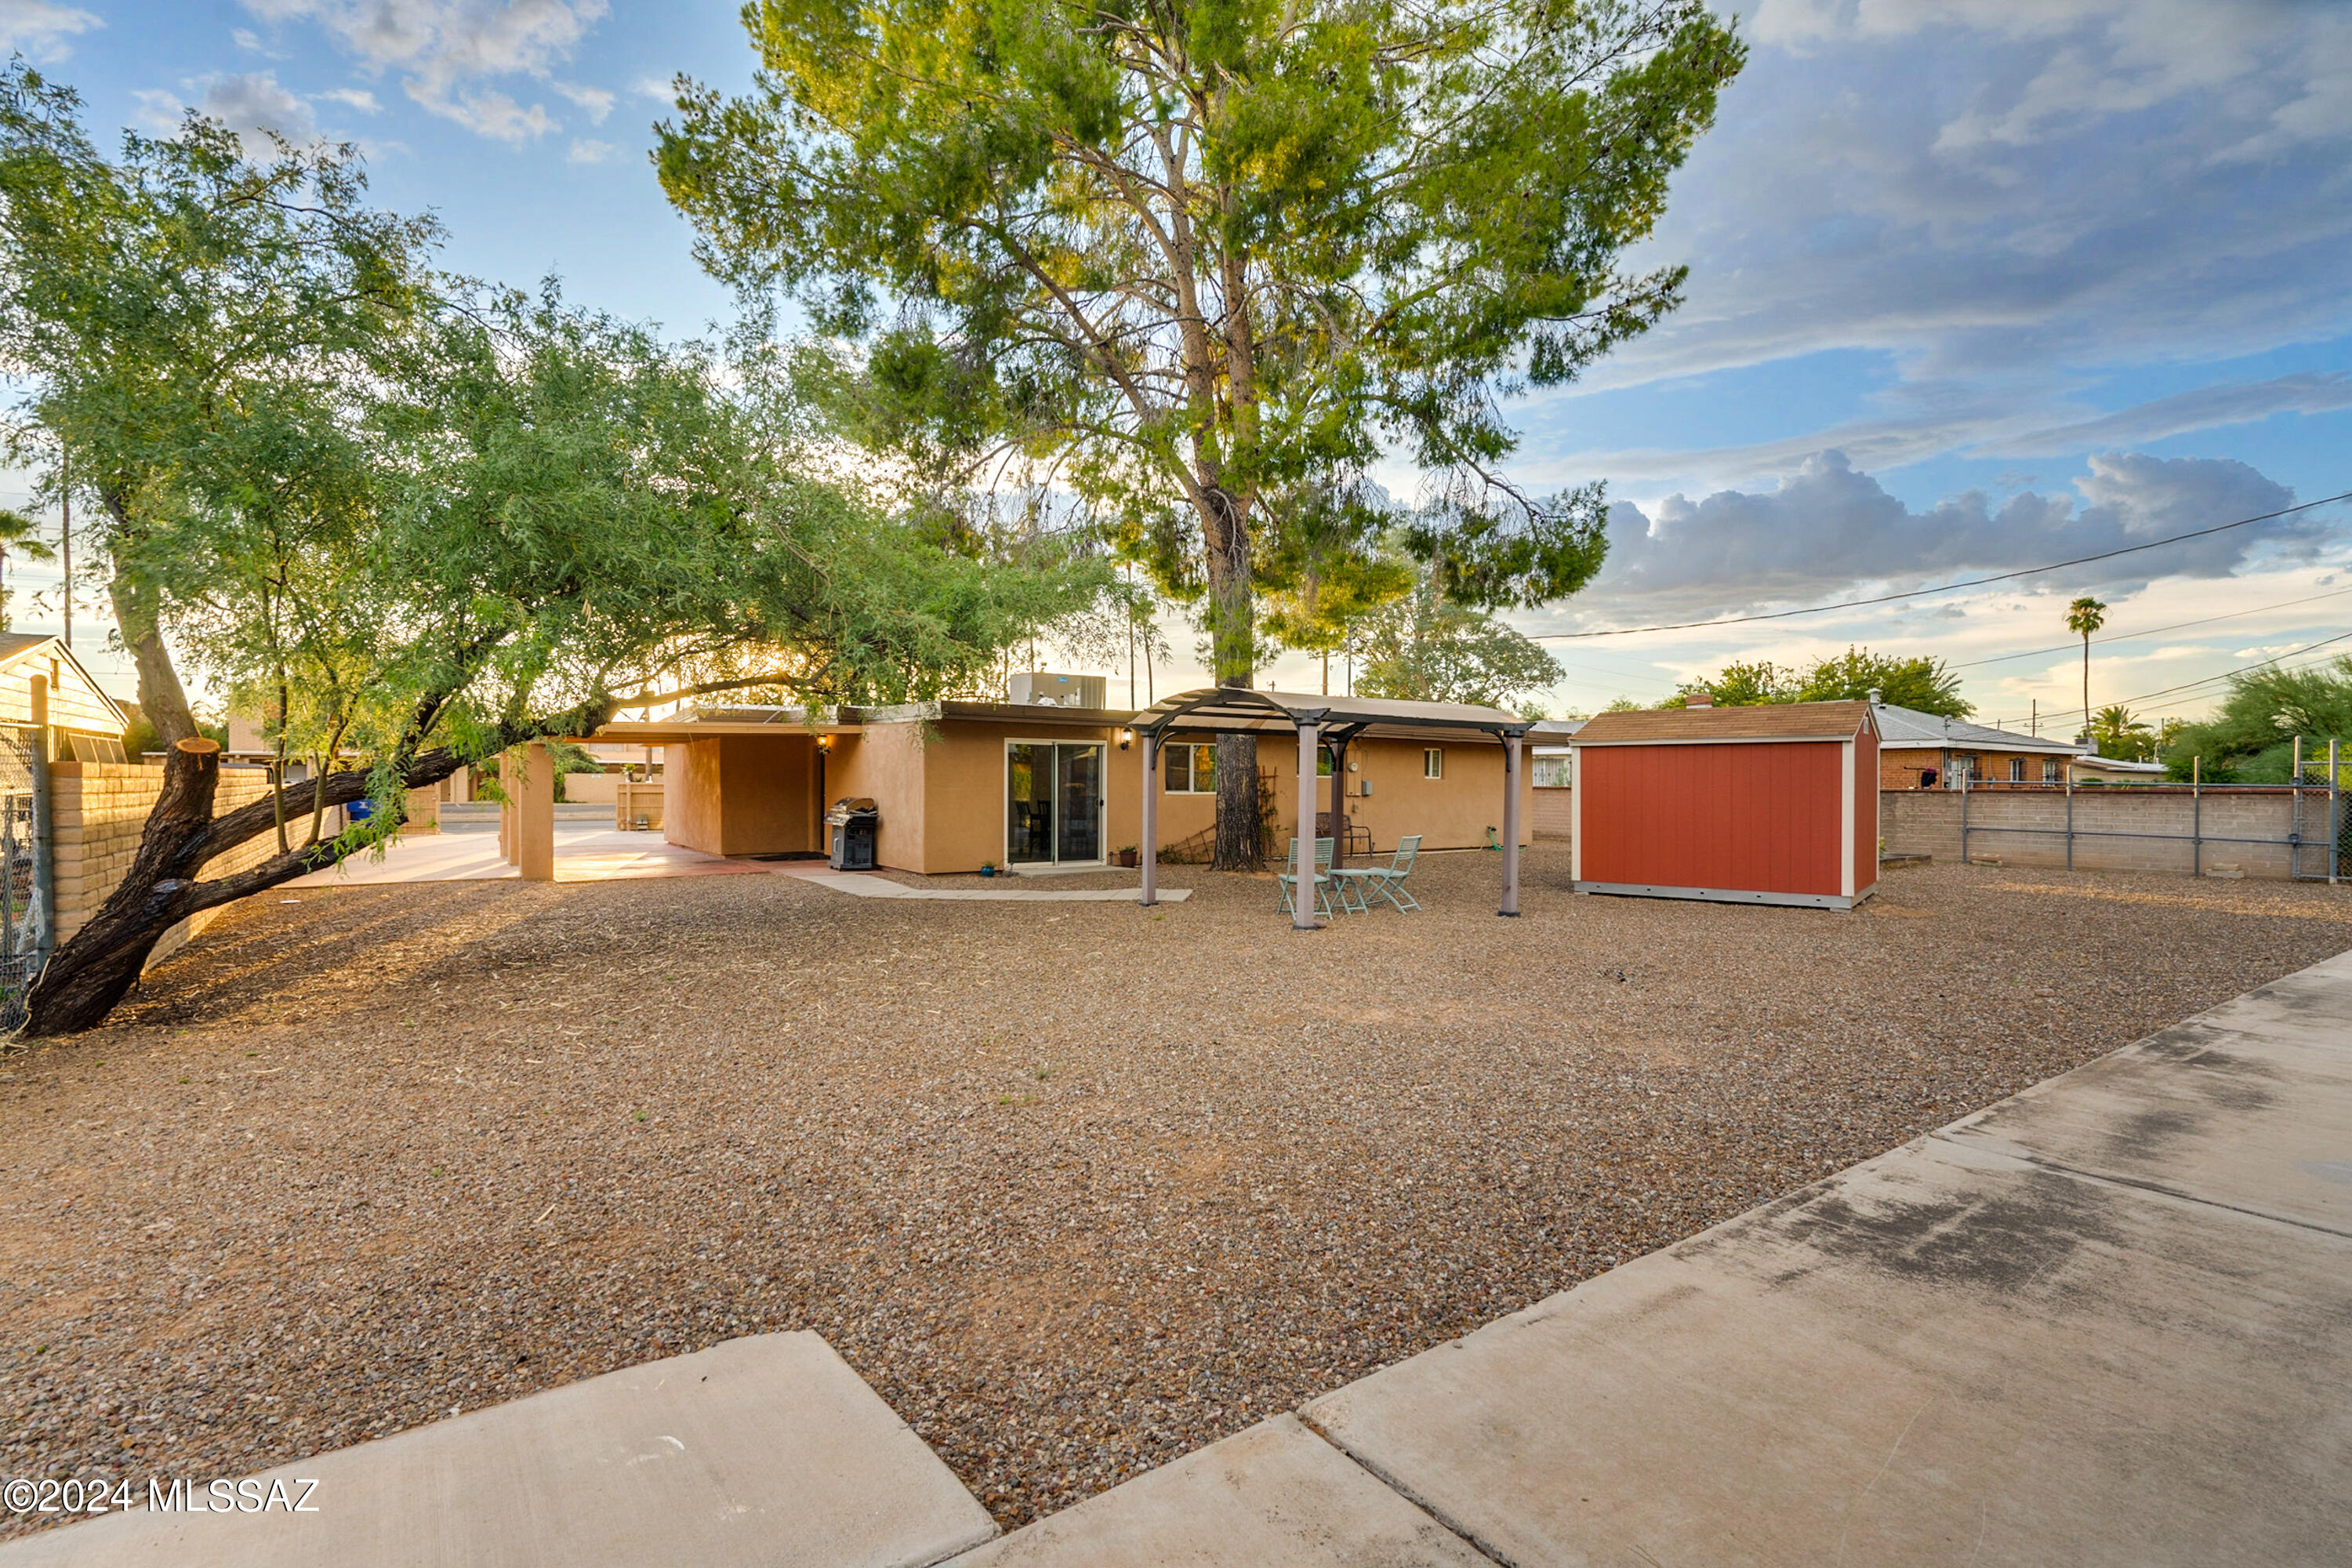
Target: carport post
<point x="1150" y="750"/>
<point x="535" y="816"/>
<point x="1510" y="826"/>
<point x="1302" y="893"/>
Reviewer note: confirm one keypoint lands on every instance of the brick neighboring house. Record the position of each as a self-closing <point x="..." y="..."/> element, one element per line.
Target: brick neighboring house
<point x="1927" y="751"/>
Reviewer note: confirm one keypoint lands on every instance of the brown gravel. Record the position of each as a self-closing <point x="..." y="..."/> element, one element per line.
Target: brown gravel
<point x="1078" y="1188"/>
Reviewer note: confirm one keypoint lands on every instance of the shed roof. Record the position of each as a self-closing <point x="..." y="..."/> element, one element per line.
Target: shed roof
<point x="1765" y="722"/>
<point x="1233" y="708"/>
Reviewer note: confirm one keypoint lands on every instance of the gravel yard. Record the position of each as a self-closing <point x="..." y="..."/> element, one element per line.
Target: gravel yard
<point x="1077" y="1187"/>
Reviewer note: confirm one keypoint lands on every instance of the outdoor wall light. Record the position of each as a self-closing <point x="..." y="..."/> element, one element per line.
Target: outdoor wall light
<point x="1125" y="738"/>
<point x="825" y="743"/>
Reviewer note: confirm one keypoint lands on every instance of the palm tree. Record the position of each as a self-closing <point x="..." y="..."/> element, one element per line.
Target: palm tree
<point x="2084" y="616"/>
<point x="18" y="532"/>
<point x="2119" y="732"/>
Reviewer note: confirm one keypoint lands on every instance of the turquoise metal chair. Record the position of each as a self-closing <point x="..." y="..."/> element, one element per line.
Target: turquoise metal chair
<point x="1361" y="885"/>
<point x="1289" y="881"/>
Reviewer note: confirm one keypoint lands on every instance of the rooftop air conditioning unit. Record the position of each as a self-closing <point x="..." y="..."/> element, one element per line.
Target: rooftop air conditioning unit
<point x="1035" y="689"/>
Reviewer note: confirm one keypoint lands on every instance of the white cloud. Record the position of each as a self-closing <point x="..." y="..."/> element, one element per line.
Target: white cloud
<point x="353" y="97"/>
<point x="586" y="151"/>
<point x="659" y="89"/>
<point x="447" y="51"/>
<point x="40" y="29"/>
<point x="596" y="101"/>
<point x="250" y="103"/>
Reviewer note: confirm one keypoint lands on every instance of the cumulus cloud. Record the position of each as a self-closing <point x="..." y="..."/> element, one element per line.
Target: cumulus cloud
<point x="448" y="52"/>
<point x="40" y="29"/>
<point x="1829" y="527"/>
<point x="587" y="151"/>
<point x="596" y="101"/>
<point x="250" y="103"/>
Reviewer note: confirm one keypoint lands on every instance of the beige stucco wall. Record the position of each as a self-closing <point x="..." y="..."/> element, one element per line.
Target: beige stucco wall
<point x="885" y="764"/>
<point x="742" y="794"/>
<point x="1449" y="813"/>
<point x="98" y="811"/>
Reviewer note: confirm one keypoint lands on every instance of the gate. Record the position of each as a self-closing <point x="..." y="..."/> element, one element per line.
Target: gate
<point x="26" y="911"/>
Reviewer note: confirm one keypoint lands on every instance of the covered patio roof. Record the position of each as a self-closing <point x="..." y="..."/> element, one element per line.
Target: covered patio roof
<point x="1320" y="720"/>
<point x="1231" y="710"/>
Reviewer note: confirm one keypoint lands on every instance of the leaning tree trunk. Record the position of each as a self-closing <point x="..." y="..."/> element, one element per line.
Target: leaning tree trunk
<point x="84" y="978"/>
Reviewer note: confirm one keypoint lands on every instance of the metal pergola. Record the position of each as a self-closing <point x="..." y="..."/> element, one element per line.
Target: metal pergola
<point x="1334" y="721"/>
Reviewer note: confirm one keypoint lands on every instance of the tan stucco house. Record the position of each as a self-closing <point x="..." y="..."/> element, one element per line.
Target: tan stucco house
<point x="1025" y="786"/>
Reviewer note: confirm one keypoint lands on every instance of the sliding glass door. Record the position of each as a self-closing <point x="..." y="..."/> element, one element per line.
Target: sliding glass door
<point x="1053" y="804"/>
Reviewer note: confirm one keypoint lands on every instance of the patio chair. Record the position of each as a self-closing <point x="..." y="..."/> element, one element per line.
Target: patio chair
<point x="1289" y="881"/>
<point x="1360" y="884"/>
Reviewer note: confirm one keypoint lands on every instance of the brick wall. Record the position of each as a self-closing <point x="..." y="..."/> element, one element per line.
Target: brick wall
<point x="1927" y="822"/>
<point x="98" y="810"/>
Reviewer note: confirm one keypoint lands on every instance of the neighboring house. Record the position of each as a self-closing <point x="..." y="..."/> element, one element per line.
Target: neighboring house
<point x="2092" y="768"/>
<point x="41" y="681"/>
<point x="1036" y="785"/>
<point x="1552" y="773"/>
<point x="1928" y="751"/>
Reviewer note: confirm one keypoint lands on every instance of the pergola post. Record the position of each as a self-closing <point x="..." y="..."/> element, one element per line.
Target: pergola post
<point x="534" y="826"/>
<point x="1510" y="826"/>
<point x="1149" y="747"/>
<point x="1302" y="897"/>
<point x="1338" y="801"/>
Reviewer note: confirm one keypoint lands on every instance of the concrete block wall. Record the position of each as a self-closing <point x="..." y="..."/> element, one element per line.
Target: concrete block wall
<point x="98" y="810"/>
<point x="1554" y="816"/>
<point x="1927" y="822"/>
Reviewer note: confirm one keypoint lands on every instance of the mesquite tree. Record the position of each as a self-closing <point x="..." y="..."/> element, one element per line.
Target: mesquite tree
<point x="457" y="520"/>
<point x="1207" y="262"/>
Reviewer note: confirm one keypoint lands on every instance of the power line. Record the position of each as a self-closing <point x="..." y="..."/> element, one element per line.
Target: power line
<point x="2205" y="681"/>
<point x="2150" y="632"/>
<point x="1947" y="587"/>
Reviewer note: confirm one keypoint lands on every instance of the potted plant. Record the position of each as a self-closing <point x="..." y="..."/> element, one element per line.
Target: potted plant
<point x="988" y="867"/>
<point x="1127" y="855"/>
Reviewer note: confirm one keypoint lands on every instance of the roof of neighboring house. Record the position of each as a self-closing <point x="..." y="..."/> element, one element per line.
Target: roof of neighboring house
<point x="13" y="643"/>
<point x="2119" y="765"/>
<point x="76" y="700"/>
<point x="1901" y="728"/>
<point x="1763" y="721"/>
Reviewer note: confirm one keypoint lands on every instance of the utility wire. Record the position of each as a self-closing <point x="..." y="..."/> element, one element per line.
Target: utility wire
<point x="2206" y="680"/>
<point x="2152" y="631"/>
<point x="1947" y="587"/>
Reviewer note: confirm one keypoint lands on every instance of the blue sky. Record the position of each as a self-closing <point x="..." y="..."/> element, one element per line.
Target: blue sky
<point x="1976" y="285"/>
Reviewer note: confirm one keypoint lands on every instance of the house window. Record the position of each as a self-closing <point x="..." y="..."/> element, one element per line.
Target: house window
<point x="1551" y="772"/>
<point x="1433" y="762"/>
<point x="1192" y="769"/>
<point x="1322" y="761"/>
<point x="1963" y="772"/>
<point x="2049" y="770"/>
<point x="2017" y="770"/>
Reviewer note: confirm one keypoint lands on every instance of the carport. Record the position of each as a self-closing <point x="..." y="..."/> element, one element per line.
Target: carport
<point x="1319" y="721"/>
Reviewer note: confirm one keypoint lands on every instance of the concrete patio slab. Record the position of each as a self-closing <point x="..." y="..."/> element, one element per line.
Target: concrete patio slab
<point x="582" y="855"/>
<point x="767" y="1450"/>
<point x="865" y="885"/>
<point x="1950" y="1354"/>
<point x="1274" y="1494"/>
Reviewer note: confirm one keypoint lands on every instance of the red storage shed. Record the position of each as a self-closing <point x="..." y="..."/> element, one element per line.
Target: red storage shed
<point x="1773" y="805"/>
